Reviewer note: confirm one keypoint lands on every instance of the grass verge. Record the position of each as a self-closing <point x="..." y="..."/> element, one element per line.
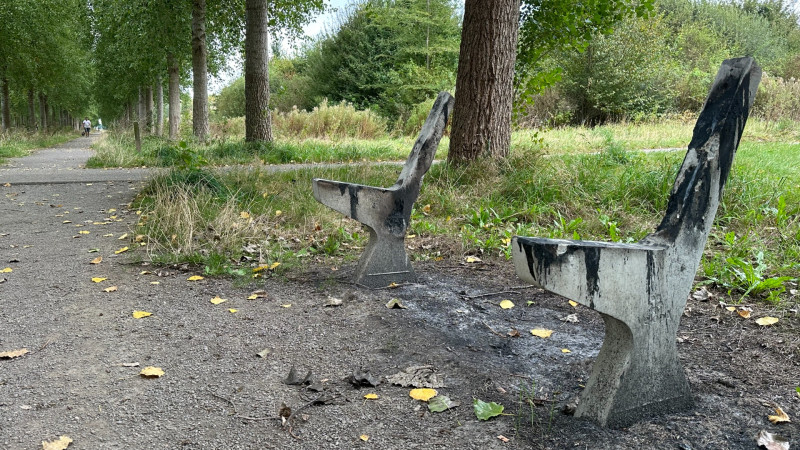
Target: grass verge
<point x="17" y="144"/>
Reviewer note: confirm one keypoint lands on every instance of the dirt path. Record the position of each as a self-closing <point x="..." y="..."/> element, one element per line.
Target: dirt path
<point x="216" y="393"/>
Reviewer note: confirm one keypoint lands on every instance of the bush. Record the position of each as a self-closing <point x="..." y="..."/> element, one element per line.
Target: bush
<point x="332" y="122"/>
<point x="778" y="99"/>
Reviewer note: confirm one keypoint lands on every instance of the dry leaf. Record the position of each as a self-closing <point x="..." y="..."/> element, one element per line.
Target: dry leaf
<point x="472" y="259"/>
<point x="133" y="364"/>
<point x="152" y="372"/>
<point x="84" y="232"/>
<point x="541" y="332"/>
<point x="110" y="289"/>
<point x="513" y="333"/>
<point x="770" y="441"/>
<point x="573" y="304"/>
<point x="97" y="260"/>
<point x="278" y="213"/>
<point x="194" y="278"/>
<point x="7" y="270"/>
<point x="122" y="250"/>
<point x="286" y="305"/>
<point x="257" y="294"/>
<point x="13" y="353"/>
<point x="123" y="237"/>
<point x="231" y="310"/>
<point x="145" y="272"/>
<point x="217" y="300"/>
<point x="423" y="394"/>
<point x="731" y="308"/>
<point x="779" y="417"/>
<point x="503" y="438"/>
<point x="566" y="350"/>
<point x="264" y="353"/>
<point x="395" y="303"/>
<point x="363" y="437"/>
<point x="572" y="318"/>
<point x="99" y="279"/>
<point x="767" y="321"/>
<point x="244" y="215"/>
<point x="59" y="444"/>
<point x="141" y="314"/>
<point x="371" y="396"/>
<point x="744" y="314"/>
<point x="506" y="304"/>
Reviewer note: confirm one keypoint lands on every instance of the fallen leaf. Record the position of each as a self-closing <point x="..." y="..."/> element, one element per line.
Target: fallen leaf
<point x="702" y="294"/>
<point x="506" y="304"/>
<point x="99" y="279"/>
<point x="503" y="438"/>
<point x="217" y="300"/>
<point x="767" y="321"/>
<point x="257" y="294"/>
<point x="574" y="304"/>
<point x="93" y="250"/>
<point x="423" y="394"/>
<point x="59" y="444"/>
<point x="194" y="278"/>
<point x="145" y="272"/>
<point x="333" y="301"/>
<point x="133" y="364"/>
<point x="97" y="260"/>
<point x="139" y="238"/>
<point x="371" y="396"/>
<point x="67" y="221"/>
<point x="152" y="372"/>
<point x="110" y="289"/>
<point x="121" y="238"/>
<point x="779" y="417"/>
<point x="441" y="403"/>
<point x="485" y="411"/>
<point x="513" y="333"/>
<point x="232" y="311"/>
<point x="286" y="305"/>
<point x="395" y="304"/>
<point x="744" y="314"/>
<point x="572" y="318"/>
<point x="770" y="441"/>
<point x="426" y="209"/>
<point x="13" y="353"/>
<point x="278" y="213"/>
<point x="566" y="350"/>
<point x="84" y="232"/>
<point x="155" y="282"/>
<point x="472" y="259"/>
<point x="244" y="215"/>
<point x="392" y="285"/>
<point x="141" y="314"/>
<point x="541" y="332"/>
<point x="364" y="437"/>
<point x="731" y="308"/>
<point x="7" y="270"/>
<point x="264" y="353"/>
<point x="122" y="250"/>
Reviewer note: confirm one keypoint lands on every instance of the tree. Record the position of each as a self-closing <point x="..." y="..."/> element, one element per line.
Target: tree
<point x="199" y="71"/>
<point x="258" y="126"/>
<point x="484" y="85"/>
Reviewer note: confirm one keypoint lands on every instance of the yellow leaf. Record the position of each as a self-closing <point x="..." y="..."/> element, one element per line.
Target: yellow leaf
<point x="287" y="305"/>
<point x="779" y="417"/>
<point x="217" y="300"/>
<point x="244" y="215"/>
<point x="84" y="232"/>
<point x="411" y="236"/>
<point x="139" y="238"/>
<point x="13" y="353"/>
<point x="97" y="260"/>
<point x="112" y="210"/>
<point x="767" y="321"/>
<point x="731" y="308"/>
<point x="7" y="270"/>
<point x="744" y="314"/>
<point x="426" y="209"/>
<point x="155" y="282"/>
<point x="506" y="241"/>
<point x="141" y="314"/>
<point x="109" y="235"/>
<point x="233" y="310"/>
<point x="565" y="350"/>
<point x="472" y="259"/>
<point x="252" y="297"/>
<point x="278" y="213"/>
<point x="506" y="304"/>
<point x="122" y="250"/>
<point x="99" y="279"/>
<point x="123" y="236"/>
<point x="67" y="221"/>
<point x="145" y="272"/>
<point x="573" y="304"/>
<point x="541" y="332"/>
<point x="364" y="437"/>
<point x="59" y="444"/>
<point x="371" y="396"/>
<point x="151" y="371"/>
<point x="423" y="394"/>
<point x="194" y="278"/>
<point x="110" y="289"/>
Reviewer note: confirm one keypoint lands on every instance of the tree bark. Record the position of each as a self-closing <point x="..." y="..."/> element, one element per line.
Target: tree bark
<point x="160" y="107"/>
<point x="31" y="111"/>
<point x="174" y="97"/>
<point x="6" y="106"/>
<point x="148" y="110"/>
<point x="140" y="107"/>
<point x="199" y="71"/>
<point x="257" y="123"/>
<point x="43" y="112"/>
<point x="484" y="83"/>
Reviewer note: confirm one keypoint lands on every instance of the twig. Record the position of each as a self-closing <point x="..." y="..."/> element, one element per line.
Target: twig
<point x="494" y="332"/>
<point x="235" y="413"/>
<point x="510" y="290"/>
<point x="45" y="345"/>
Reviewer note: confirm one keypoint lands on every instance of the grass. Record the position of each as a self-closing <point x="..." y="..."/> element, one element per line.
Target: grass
<point x="19" y="143"/>
<point x="232" y="221"/>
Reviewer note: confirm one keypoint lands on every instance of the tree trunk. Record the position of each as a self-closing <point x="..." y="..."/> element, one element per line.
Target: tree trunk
<point x="174" y="97"/>
<point x="199" y="71"/>
<point x="160" y="107"/>
<point x="43" y="112"/>
<point x="140" y="107"/>
<point x="148" y="109"/>
<point x="257" y="123"/>
<point x="31" y="111"/>
<point x="6" y="106"/>
<point x="484" y="83"/>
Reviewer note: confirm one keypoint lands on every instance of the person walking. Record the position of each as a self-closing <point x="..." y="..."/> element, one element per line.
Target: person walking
<point x="87" y="126"/>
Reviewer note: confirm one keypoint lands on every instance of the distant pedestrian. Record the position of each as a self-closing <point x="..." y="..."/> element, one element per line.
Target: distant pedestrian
<point x="87" y="126"/>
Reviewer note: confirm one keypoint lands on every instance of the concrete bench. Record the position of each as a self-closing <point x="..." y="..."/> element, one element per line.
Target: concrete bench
<point x="387" y="211"/>
<point x="640" y="290"/>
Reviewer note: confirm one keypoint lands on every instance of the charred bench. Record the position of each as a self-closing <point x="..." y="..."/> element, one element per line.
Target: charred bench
<point x="387" y="211"/>
<point x="640" y="290"/>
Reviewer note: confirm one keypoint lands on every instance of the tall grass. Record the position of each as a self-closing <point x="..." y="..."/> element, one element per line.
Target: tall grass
<point x="326" y="121"/>
<point x="20" y="143"/>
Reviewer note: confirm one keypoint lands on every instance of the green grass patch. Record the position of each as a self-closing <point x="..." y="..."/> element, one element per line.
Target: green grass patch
<point x="18" y="144"/>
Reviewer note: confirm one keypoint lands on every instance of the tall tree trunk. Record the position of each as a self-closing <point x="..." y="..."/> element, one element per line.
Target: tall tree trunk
<point x="148" y="109"/>
<point x="6" y="106"/>
<point x="31" y="111"/>
<point x="160" y="107"/>
<point x="174" y="97"/>
<point x="43" y="112"/>
<point x="257" y="123"/>
<point x="199" y="71"/>
<point x="140" y="108"/>
<point x="484" y="83"/>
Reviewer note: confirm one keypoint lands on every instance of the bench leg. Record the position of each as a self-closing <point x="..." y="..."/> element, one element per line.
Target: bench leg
<point x="384" y="261"/>
<point x="634" y="376"/>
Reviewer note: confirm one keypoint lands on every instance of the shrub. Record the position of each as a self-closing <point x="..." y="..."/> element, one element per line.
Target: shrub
<point x="332" y="122"/>
<point x="778" y="99"/>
